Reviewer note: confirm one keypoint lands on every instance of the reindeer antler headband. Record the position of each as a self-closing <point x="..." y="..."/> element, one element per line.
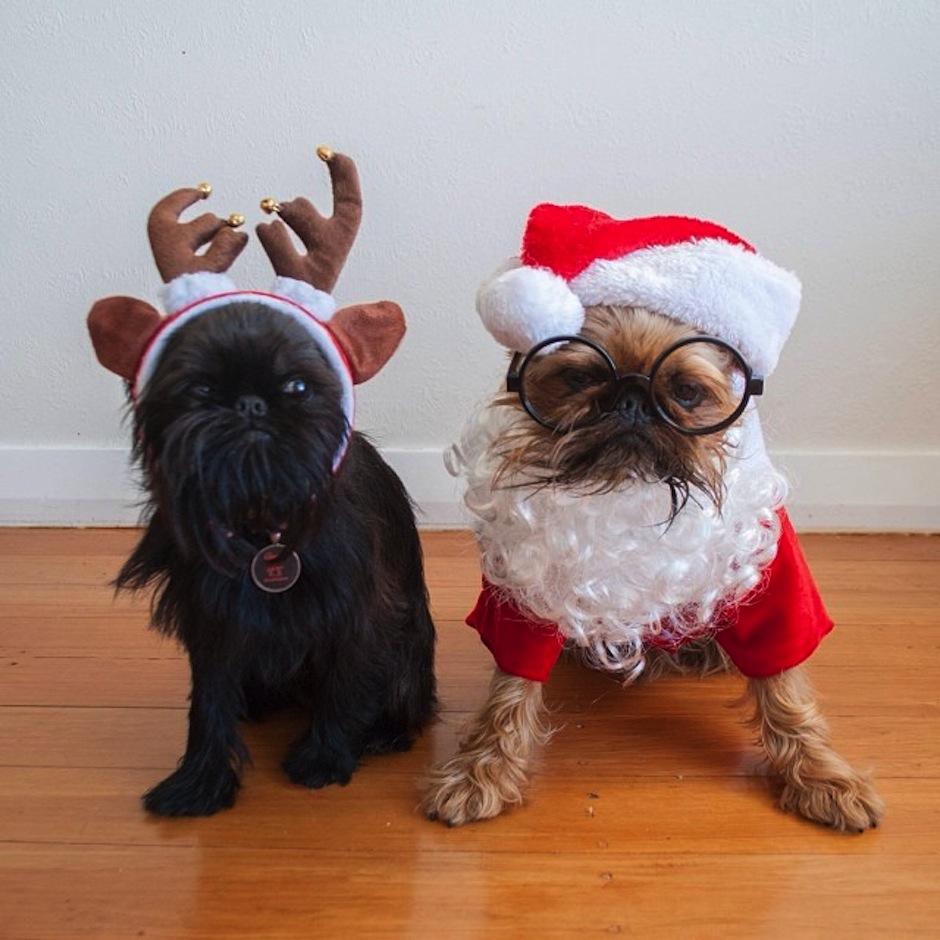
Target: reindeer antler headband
<point x="129" y="335"/>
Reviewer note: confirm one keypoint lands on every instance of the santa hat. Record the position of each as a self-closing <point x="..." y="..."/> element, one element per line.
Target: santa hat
<point x="693" y="271"/>
<point x="130" y="336"/>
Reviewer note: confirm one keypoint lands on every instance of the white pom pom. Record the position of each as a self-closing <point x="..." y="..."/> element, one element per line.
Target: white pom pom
<point x="522" y="306"/>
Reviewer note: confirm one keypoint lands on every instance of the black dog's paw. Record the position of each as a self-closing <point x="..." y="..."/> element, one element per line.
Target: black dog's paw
<point x="318" y="767"/>
<point x="185" y="793"/>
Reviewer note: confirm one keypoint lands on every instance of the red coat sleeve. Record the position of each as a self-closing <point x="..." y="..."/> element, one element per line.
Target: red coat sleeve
<point x="781" y="623"/>
<point x="521" y="644"/>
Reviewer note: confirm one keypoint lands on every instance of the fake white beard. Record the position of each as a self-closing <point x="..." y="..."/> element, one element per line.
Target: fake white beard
<point x="608" y="569"/>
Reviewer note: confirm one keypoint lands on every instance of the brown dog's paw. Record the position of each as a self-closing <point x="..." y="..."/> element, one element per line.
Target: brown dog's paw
<point x="459" y="793"/>
<point x="847" y="803"/>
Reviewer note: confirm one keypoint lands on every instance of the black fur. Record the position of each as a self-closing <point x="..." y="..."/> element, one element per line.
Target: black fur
<point x="352" y="642"/>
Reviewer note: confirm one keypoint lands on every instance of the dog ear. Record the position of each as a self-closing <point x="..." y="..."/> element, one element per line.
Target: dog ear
<point x="368" y="334"/>
<point x="120" y="329"/>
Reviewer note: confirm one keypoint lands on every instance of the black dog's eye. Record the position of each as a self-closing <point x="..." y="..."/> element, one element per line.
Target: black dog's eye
<point x="202" y="390"/>
<point x="687" y="394"/>
<point x="294" y="387"/>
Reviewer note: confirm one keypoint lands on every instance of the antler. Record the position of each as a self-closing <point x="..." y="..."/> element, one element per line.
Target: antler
<point x="174" y="243"/>
<point x="327" y="240"/>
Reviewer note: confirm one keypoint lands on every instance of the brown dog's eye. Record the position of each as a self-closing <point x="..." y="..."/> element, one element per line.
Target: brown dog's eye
<point x="687" y="394"/>
<point x="294" y="387"/>
<point x="578" y="379"/>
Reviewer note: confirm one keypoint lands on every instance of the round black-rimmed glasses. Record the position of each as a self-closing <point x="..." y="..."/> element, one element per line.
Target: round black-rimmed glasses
<point x="698" y="385"/>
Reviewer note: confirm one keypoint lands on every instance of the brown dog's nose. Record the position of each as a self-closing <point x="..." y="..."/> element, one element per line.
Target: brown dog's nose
<point x="633" y="405"/>
<point x="251" y="406"/>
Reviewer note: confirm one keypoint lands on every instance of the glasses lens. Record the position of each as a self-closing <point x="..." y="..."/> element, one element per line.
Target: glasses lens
<point x="700" y="385"/>
<point x="563" y="386"/>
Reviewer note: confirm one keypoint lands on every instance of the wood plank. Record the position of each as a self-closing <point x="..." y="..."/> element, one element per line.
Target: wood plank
<point x="455" y="543"/>
<point x="642" y="741"/>
<point x="163" y="681"/>
<point x="124" y="636"/>
<point x="854" y="603"/>
<point x="171" y="892"/>
<point x="721" y="815"/>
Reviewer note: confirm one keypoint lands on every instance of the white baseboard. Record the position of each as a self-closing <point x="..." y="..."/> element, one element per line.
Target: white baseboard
<point x="832" y="490"/>
<point x="862" y="491"/>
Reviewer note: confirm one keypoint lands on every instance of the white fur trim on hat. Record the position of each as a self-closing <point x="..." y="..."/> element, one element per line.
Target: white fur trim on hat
<point x="318" y="302"/>
<point x="521" y="306"/>
<point x="721" y="288"/>
<point x="188" y="288"/>
<point x="318" y="331"/>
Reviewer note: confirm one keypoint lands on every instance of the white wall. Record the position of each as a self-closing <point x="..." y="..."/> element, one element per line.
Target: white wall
<point x="809" y="127"/>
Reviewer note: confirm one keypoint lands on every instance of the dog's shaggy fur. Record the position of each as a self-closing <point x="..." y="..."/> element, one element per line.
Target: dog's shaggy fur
<point x="814" y="780"/>
<point x="490" y="771"/>
<point x="351" y="643"/>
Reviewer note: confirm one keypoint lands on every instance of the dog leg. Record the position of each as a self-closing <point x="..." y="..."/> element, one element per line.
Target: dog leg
<point x="816" y="782"/>
<point x="207" y="779"/>
<point x="410" y="696"/>
<point x="323" y="755"/>
<point x="490" y="771"/>
<point x="346" y="703"/>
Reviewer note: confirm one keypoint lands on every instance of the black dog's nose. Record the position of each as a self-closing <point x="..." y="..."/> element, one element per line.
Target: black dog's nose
<point x="251" y="406"/>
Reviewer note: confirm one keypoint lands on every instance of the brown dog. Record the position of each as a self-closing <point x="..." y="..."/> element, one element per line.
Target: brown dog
<point x="625" y="506"/>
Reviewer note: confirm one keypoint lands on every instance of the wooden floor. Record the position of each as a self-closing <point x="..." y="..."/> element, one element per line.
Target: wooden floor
<point x="647" y="818"/>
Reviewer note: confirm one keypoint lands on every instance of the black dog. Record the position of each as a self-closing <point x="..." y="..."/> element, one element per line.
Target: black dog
<point x="244" y="443"/>
<point x="352" y="641"/>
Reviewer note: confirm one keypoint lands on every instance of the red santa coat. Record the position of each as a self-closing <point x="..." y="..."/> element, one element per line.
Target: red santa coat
<point x="776" y="627"/>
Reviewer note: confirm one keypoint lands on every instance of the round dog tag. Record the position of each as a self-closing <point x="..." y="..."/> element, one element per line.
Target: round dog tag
<point x="275" y="569"/>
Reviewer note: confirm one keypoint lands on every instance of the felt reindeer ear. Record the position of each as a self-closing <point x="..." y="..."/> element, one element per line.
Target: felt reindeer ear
<point x="368" y="334"/>
<point x="121" y="328"/>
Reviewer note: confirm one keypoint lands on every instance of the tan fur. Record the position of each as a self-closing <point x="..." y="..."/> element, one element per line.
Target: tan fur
<point x="490" y="771"/>
<point x="702" y="658"/>
<point x="816" y="782"/>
